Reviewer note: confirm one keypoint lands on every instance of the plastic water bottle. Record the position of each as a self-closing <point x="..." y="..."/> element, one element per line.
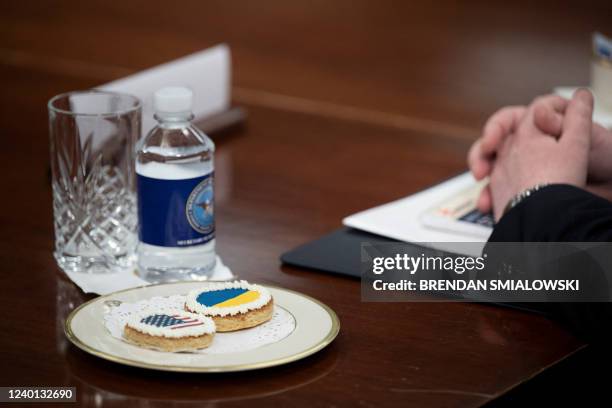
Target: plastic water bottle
<point x="175" y="170"/>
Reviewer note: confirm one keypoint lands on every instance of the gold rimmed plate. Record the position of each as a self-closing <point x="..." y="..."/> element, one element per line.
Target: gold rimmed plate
<point x="316" y="326"/>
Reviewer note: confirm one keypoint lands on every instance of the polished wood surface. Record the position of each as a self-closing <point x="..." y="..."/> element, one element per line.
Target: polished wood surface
<point x="351" y="104"/>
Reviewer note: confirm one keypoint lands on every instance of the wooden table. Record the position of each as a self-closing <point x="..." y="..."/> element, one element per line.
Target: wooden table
<point x="351" y="104"/>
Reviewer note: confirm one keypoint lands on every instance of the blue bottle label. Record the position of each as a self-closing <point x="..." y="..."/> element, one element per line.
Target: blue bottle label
<point x="176" y="213"/>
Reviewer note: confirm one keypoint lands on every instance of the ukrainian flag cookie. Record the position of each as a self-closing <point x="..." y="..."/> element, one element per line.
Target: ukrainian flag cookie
<point x="232" y="305"/>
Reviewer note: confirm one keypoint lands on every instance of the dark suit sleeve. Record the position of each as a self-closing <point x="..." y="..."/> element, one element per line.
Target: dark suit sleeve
<point x="564" y="213"/>
<point x="557" y="213"/>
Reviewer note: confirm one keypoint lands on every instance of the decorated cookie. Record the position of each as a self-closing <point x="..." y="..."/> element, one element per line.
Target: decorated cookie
<point x="232" y="305"/>
<point x="175" y="330"/>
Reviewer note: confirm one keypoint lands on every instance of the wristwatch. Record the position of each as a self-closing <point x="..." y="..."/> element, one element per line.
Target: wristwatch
<point x="522" y="195"/>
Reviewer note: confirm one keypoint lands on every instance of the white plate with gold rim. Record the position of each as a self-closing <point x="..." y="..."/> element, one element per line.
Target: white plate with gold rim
<point x="316" y="326"/>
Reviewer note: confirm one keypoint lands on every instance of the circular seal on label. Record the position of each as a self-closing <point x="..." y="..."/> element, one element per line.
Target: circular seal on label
<point x="200" y="207"/>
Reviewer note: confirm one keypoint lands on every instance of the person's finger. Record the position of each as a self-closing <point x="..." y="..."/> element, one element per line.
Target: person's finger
<point x="485" y="200"/>
<point x="554" y="102"/>
<point x="479" y="165"/>
<point x="499" y="125"/>
<point x="548" y="114"/>
<point x="548" y="121"/>
<point x="577" y="122"/>
<point x="600" y="165"/>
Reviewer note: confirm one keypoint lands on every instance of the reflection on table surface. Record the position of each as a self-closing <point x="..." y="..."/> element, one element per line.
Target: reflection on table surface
<point x="351" y="104"/>
<point x="102" y="383"/>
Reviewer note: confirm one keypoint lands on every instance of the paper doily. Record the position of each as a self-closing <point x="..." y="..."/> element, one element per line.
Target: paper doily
<point x="280" y="326"/>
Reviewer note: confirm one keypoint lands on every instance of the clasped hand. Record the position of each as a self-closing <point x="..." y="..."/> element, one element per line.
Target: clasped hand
<point x="551" y="141"/>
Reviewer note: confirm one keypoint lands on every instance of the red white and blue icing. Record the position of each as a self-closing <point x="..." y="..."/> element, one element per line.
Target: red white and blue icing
<point x="171" y="323"/>
<point x="227" y="298"/>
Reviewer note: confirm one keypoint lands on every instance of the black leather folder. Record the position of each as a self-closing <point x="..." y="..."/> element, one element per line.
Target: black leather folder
<point x="339" y="252"/>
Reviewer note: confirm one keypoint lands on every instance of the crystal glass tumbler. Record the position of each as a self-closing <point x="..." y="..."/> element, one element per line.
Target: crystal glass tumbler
<point x="93" y="135"/>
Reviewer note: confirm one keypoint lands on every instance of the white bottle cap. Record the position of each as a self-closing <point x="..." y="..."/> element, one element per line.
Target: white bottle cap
<point x="173" y="99"/>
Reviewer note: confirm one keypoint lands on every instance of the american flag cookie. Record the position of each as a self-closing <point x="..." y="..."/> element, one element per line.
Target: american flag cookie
<point x="175" y="330"/>
<point x="232" y="305"/>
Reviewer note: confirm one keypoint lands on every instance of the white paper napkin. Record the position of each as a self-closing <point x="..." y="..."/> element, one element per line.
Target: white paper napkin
<point x="104" y="283"/>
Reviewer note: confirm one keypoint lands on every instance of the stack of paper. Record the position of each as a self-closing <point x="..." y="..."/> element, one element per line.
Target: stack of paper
<point x="401" y="219"/>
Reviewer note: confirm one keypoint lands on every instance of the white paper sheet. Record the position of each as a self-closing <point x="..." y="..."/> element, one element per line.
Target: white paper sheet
<point x="400" y="219"/>
<point x="104" y="283"/>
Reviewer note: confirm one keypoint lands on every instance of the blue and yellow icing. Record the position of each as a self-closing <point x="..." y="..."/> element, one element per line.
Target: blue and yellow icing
<point x="227" y="298"/>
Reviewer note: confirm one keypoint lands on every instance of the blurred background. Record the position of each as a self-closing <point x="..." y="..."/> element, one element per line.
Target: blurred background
<point x="351" y="104"/>
<point x="447" y="63"/>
